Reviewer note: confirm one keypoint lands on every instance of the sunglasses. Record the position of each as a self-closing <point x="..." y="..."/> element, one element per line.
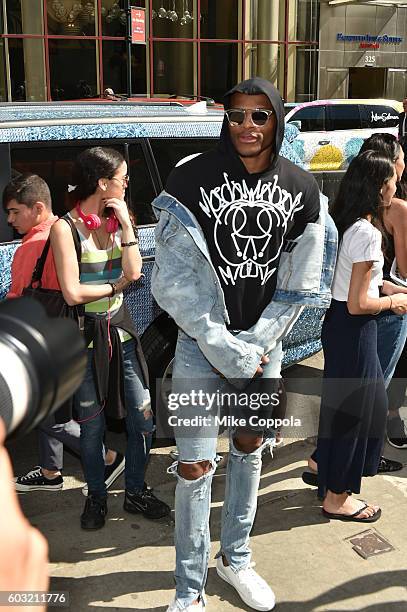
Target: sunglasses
<point x="124" y="180"/>
<point x="259" y="116"/>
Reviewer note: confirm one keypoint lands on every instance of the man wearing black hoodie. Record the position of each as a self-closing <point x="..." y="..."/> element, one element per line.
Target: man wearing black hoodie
<point x="242" y="203"/>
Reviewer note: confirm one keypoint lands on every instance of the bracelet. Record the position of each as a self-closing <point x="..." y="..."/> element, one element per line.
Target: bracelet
<point x="391" y="302"/>
<point x="114" y="289"/>
<point x="380" y="309"/>
<point x="129" y="244"/>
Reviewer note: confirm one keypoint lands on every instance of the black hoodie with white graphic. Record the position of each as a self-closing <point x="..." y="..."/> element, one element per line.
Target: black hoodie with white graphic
<point x="245" y="217"/>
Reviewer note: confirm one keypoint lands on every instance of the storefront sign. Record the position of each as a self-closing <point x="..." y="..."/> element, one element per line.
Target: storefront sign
<point x="367" y="41"/>
<point x="138" y="25"/>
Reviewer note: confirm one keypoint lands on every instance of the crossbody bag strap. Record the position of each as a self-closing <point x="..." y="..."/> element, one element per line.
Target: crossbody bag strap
<point x="76" y="239"/>
<point x="39" y="266"/>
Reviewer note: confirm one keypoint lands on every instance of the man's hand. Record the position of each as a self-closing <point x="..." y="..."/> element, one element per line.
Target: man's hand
<point x="259" y="371"/>
<point x="264" y="360"/>
<point x="23" y="550"/>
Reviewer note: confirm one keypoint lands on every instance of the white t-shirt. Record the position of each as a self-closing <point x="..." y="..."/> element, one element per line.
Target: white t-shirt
<point x="361" y="242"/>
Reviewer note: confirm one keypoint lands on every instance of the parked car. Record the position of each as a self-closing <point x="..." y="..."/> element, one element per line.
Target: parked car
<point x="46" y="138"/>
<point x="332" y="131"/>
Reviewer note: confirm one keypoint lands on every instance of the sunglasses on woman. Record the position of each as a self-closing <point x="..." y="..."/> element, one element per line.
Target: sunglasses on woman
<point x="259" y="116"/>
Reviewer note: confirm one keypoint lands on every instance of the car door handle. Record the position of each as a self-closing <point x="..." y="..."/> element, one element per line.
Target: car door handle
<point x="324" y="142"/>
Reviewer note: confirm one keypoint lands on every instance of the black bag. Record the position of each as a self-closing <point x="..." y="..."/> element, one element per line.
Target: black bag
<point x="52" y="299"/>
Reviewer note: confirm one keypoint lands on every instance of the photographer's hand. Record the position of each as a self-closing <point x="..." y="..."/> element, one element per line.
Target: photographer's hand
<point x="23" y="550"/>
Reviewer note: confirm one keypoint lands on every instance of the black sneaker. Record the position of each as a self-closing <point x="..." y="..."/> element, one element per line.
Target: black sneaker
<point x="36" y="481"/>
<point x="112" y="472"/>
<point x="145" y="503"/>
<point x="93" y="516"/>
<point x="388" y="465"/>
<point x="397" y="432"/>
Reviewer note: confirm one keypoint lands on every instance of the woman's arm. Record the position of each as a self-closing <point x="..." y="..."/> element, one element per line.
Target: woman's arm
<point x="397" y="219"/>
<point x="67" y="269"/>
<point x="359" y="303"/>
<point x="131" y="258"/>
<point x="390" y="288"/>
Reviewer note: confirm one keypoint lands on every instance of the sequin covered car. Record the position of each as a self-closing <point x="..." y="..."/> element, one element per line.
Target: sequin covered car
<point x="332" y="131"/>
<point x="46" y="138"/>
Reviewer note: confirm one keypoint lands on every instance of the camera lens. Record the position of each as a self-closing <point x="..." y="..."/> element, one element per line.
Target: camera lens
<point x="42" y="363"/>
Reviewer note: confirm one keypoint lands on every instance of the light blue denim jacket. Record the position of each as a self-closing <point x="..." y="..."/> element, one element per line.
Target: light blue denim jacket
<point x="185" y="284"/>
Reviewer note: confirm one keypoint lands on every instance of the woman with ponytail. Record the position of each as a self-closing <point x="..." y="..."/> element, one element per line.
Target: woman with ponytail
<point x="116" y="381"/>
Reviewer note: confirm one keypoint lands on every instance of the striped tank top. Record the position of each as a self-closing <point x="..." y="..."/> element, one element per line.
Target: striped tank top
<point x="99" y="266"/>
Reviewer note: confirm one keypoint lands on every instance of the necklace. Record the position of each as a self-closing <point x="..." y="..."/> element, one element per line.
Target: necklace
<point x="99" y="242"/>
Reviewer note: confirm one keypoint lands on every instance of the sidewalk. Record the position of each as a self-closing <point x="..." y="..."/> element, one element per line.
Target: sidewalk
<point x="308" y="561"/>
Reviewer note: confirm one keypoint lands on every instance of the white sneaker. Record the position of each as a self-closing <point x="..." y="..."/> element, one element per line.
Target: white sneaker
<point x="254" y="591"/>
<point x="174" y="454"/>
<point x="199" y="607"/>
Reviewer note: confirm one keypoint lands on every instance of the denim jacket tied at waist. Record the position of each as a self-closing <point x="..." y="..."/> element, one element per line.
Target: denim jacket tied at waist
<point x="185" y="284"/>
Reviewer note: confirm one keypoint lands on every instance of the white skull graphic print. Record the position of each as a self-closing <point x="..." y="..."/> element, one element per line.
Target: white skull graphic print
<point x="246" y="223"/>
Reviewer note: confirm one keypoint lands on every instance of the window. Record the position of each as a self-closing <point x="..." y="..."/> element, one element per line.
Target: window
<point x="219" y="67"/>
<point x="220" y="19"/>
<point x="114" y="17"/>
<point x="71" y="18"/>
<point x="306" y="73"/>
<point x="54" y="164"/>
<point x="168" y="153"/>
<point x="3" y="90"/>
<point x="344" y="117"/>
<point x="173" y="19"/>
<point x="115" y="65"/>
<point x="312" y="118"/>
<point x="378" y="116"/>
<point x="307" y="19"/>
<point x="27" y="68"/>
<point x="266" y="61"/>
<point x="173" y="68"/>
<point x="24" y="17"/>
<point x="141" y="192"/>
<point x="73" y="69"/>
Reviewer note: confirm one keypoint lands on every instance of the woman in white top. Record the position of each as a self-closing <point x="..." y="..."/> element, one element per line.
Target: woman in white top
<point x="354" y="404"/>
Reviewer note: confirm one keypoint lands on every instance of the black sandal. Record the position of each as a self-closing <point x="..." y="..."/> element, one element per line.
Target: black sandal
<point x="310" y="478"/>
<point x="353" y="517"/>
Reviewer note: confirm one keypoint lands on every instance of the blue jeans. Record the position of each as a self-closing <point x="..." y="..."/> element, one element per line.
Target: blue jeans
<point x="391" y="338"/>
<point x="193" y="497"/>
<point x="139" y="424"/>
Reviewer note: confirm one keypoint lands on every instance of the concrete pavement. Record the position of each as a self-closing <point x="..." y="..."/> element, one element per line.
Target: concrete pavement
<point x="307" y="560"/>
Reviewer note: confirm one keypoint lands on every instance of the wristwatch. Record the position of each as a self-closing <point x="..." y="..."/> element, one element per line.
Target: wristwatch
<point x="114" y="288"/>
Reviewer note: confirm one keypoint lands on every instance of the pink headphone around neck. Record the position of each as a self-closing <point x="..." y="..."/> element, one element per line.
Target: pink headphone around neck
<point x="93" y="221"/>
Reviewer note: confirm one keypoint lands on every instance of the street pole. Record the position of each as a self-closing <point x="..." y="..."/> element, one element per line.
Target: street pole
<point x="128" y="43"/>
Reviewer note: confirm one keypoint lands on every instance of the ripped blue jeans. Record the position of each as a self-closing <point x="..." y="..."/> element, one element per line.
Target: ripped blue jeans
<point x="193" y="497"/>
<point x="139" y="425"/>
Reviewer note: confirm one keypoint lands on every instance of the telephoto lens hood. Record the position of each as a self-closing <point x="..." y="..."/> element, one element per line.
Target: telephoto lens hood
<point x="42" y="363"/>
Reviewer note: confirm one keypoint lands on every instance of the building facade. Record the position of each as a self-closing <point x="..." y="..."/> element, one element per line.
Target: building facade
<point x="363" y="50"/>
<point x="69" y="49"/>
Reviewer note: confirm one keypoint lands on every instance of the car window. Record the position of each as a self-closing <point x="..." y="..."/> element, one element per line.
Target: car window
<point x="141" y="192"/>
<point x="344" y="117"/>
<point x="54" y="164"/>
<point x="312" y="118"/>
<point x="168" y="153"/>
<point x="378" y="116"/>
